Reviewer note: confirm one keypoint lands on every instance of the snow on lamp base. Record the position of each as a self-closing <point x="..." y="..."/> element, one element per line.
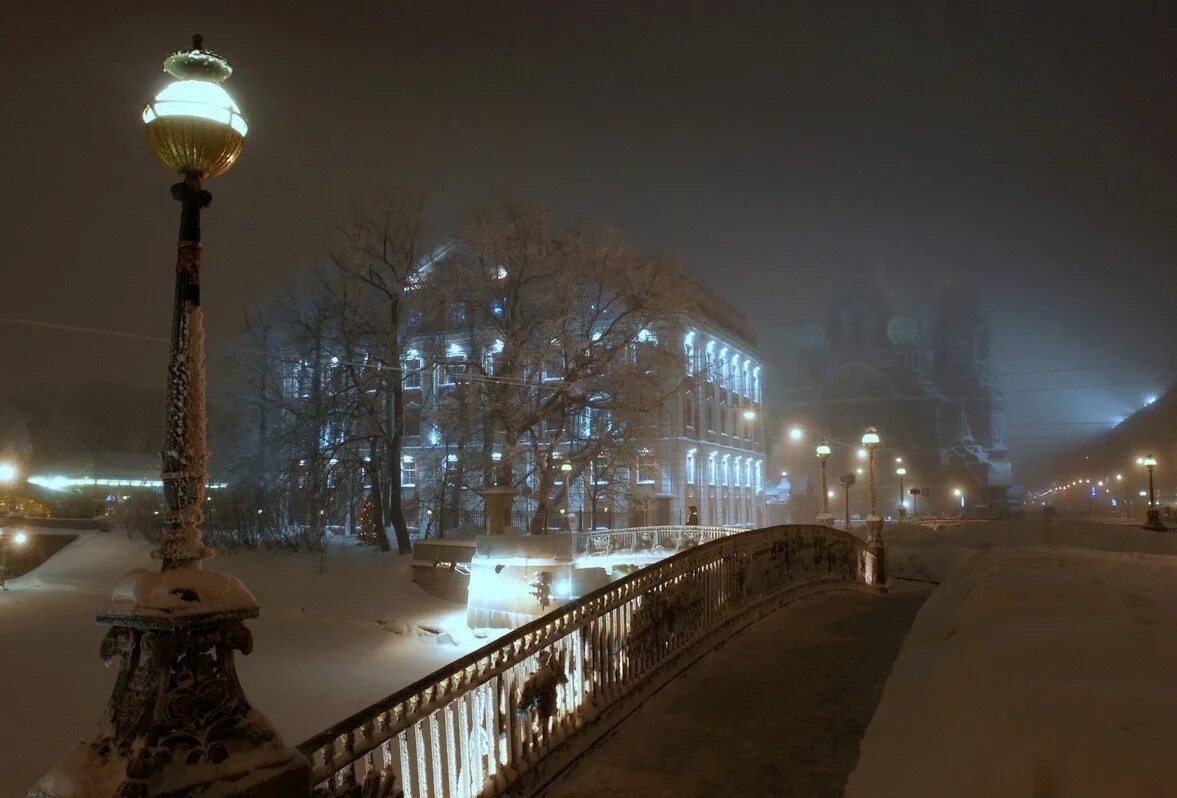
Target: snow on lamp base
<point x="178" y="722"/>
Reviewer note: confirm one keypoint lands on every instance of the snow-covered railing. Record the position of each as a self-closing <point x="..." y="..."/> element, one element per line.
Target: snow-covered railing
<point x="513" y="714"/>
<point x="652" y="539"/>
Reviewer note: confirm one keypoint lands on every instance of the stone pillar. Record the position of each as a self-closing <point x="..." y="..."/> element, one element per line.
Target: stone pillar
<point x="498" y="501"/>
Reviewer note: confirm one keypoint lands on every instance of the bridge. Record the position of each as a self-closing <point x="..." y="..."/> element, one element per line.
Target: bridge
<point x="511" y="716"/>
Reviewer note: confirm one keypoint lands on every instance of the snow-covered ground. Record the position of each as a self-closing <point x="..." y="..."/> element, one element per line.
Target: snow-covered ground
<point x="327" y="644"/>
<point x="1044" y="665"/>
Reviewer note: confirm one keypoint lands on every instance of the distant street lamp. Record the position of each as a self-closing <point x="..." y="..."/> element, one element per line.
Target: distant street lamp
<point x="901" y="472"/>
<point x="823" y="454"/>
<point x="874" y="522"/>
<point x="1153" y="514"/>
<point x="749" y="415"/>
<point x="175" y="631"/>
<point x="958" y="493"/>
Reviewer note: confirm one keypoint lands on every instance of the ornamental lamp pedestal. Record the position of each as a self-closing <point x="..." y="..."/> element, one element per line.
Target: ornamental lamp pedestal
<point x="177" y="722"/>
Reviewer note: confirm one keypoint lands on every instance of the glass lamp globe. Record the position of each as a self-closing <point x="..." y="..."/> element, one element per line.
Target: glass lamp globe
<point x="1148" y="461"/>
<point x="193" y="126"/>
<point x="870" y="437"/>
<point x="901" y="471"/>
<point x="823" y="450"/>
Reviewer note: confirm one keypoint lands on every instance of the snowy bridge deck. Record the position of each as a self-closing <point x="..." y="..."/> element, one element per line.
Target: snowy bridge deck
<point x="512" y="715"/>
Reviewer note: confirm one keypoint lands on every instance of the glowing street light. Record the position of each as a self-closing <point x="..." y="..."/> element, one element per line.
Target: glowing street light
<point x="960" y="495"/>
<point x="874" y="522"/>
<point x="195" y="129"/>
<point x="1153" y="514"/>
<point x="193" y="126"/>
<point x="8" y="472"/>
<point x="749" y="415"/>
<point x="796" y="434"/>
<point x="823" y="451"/>
<point x="20" y="538"/>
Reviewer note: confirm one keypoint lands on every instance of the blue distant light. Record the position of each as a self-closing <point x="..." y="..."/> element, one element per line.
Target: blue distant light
<point x="1148" y="400"/>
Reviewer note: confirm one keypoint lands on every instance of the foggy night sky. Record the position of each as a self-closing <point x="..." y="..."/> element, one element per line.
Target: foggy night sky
<point x="775" y="147"/>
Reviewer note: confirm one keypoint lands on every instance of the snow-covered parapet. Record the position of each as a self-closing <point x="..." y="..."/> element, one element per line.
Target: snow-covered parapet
<point x="185" y="591"/>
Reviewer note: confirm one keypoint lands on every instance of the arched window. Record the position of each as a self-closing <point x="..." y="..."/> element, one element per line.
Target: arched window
<point x="691" y="467"/>
<point x="711" y="469"/>
<point x="723" y="418"/>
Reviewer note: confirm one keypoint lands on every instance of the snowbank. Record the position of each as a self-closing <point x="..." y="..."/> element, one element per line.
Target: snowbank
<point x="1043" y="665"/>
<point x="337" y="632"/>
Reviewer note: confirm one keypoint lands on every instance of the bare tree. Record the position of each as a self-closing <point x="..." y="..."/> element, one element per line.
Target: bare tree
<point x="378" y="252"/>
<point x="561" y="329"/>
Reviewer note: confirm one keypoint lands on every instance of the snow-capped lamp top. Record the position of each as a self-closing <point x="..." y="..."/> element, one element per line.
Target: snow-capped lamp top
<point x="823" y="449"/>
<point x="197" y="63"/>
<point x="194" y="126"/>
<point x="870" y="437"/>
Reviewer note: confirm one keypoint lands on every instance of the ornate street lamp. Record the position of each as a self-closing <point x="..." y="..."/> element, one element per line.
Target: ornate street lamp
<point x="823" y="454"/>
<point x="175" y="631"/>
<point x="1153" y="514"/>
<point x="901" y="472"/>
<point x="874" y="522"/>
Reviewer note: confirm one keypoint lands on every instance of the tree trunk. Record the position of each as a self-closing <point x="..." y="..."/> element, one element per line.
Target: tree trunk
<point x="377" y="500"/>
<point x="396" y="510"/>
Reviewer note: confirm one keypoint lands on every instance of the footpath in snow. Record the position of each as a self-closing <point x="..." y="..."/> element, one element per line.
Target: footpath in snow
<point x="326" y="645"/>
<point x="1044" y="665"/>
<point x="778" y="710"/>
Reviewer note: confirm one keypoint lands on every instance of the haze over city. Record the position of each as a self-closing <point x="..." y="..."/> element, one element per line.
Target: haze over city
<point x="588" y="399"/>
<point x="782" y="151"/>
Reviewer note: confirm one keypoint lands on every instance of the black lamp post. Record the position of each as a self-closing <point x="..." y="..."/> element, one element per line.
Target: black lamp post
<point x="174" y="633"/>
<point x="823" y="454"/>
<point x="1153" y="514"/>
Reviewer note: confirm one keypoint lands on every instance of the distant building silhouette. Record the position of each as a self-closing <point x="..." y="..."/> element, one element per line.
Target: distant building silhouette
<point x="922" y="375"/>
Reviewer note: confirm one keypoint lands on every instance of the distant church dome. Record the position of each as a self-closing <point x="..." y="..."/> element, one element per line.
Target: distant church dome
<point x="903" y="330"/>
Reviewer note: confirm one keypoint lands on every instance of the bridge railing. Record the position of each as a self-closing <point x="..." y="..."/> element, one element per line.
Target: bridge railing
<point x="510" y="715"/>
<point x="654" y="539"/>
